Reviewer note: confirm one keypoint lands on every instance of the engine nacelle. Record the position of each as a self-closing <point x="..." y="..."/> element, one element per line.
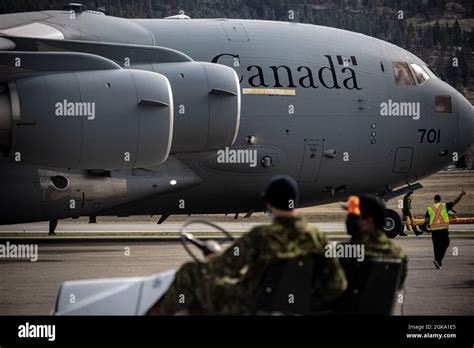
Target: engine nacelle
<point x="206" y="102"/>
<point x="107" y="119"/>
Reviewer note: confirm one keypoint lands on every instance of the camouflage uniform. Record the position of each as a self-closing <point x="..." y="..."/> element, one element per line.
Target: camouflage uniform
<point x="407" y="215"/>
<point x="226" y="284"/>
<point x="380" y="245"/>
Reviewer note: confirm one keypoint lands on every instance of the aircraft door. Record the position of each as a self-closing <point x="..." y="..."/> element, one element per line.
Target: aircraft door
<point x="311" y="161"/>
<point x="403" y="160"/>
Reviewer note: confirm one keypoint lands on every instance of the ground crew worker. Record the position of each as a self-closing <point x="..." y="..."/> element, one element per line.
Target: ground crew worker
<point x="407" y="215"/>
<point x="437" y="220"/>
<point x="367" y="229"/>
<point x="226" y="283"/>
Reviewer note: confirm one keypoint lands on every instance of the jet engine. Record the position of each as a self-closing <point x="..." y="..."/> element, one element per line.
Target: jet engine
<point x="88" y="119"/>
<point x="207" y="105"/>
<point x="81" y="110"/>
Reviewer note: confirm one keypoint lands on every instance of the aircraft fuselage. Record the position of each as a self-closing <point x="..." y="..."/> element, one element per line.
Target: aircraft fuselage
<point x="317" y="103"/>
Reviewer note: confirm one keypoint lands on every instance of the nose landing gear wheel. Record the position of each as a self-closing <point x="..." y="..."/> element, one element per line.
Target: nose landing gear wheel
<point x="393" y="224"/>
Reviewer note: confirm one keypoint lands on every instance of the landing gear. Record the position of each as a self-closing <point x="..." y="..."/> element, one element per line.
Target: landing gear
<point x="52" y="227"/>
<point x="393" y="224"/>
<point x="163" y="218"/>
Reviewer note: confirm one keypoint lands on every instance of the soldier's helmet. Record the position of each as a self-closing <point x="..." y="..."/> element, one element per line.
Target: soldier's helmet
<point x="282" y="193"/>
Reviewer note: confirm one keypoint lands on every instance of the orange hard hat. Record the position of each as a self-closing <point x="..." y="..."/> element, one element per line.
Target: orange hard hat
<point x="353" y="205"/>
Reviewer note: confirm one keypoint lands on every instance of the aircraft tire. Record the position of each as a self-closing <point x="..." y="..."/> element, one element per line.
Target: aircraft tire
<point x="393" y="224"/>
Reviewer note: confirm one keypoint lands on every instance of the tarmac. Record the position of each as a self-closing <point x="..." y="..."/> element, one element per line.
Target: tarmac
<point x="137" y="229"/>
<point x="30" y="288"/>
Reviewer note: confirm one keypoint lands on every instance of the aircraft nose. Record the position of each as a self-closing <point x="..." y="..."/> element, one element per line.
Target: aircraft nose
<point x="466" y="124"/>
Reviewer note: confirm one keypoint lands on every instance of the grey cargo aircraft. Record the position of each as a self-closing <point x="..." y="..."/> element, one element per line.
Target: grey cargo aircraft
<point x="110" y="116"/>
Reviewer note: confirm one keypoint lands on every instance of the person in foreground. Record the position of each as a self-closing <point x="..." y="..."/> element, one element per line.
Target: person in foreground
<point x="226" y="284"/>
<point x="366" y="228"/>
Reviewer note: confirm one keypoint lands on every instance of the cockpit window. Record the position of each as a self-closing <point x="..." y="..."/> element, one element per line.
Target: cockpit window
<point x="420" y="73"/>
<point x="403" y="75"/>
<point x="443" y="104"/>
